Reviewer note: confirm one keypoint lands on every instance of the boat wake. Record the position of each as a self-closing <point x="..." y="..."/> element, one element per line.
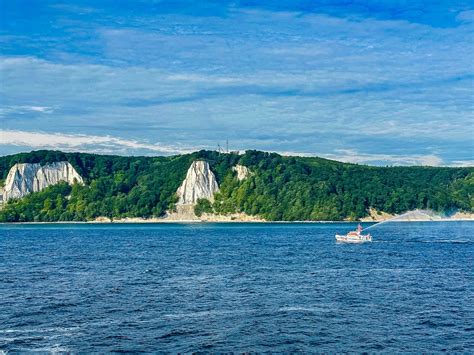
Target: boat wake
<point x="446" y="241"/>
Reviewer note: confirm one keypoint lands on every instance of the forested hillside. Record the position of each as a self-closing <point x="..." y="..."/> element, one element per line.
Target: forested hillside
<point x="278" y="188"/>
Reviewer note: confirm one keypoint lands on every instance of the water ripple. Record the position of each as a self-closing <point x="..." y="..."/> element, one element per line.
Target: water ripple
<point x="242" y="288"/>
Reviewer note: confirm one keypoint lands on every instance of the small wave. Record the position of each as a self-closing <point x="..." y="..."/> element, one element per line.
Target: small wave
<point x="178" y="333"/>
<point x="56" y="306"/>
<point x="54" y="349"/>
<point x="449" y="241"/>
<point x="202" y="314"/>
<point x="396" y="269"/>
<point x="301" y="309"/>
<point x="453" y="241"/>
<point x="432" y="324"/>
<point x="119" y="337"/>
<point x="38" y="330"/>
<point x="127" y="351"/>
<point x="24" y="340"/>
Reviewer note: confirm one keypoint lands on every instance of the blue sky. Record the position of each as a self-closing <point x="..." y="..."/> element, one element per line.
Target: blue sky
<point x="375" y="82"/>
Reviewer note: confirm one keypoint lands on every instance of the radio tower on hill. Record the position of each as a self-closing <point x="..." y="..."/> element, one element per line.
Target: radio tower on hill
<point x="221" y="150"/>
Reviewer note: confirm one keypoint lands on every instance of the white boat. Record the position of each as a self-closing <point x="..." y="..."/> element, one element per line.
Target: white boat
<point x="354" y="236"/>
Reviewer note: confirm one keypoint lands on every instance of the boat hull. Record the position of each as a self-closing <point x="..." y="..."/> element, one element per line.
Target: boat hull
<point x="353" y="239"/>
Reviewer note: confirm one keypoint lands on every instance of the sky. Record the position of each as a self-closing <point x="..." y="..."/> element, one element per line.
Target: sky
<point x="372" y="82"/>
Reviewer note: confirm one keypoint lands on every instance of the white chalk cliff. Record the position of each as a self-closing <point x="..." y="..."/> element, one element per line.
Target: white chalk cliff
<point x="242" y="172"/>
<point x="200" y="182"/>
<point x="26" y="178"/>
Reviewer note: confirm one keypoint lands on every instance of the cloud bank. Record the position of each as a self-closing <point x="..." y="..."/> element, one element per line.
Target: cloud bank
<point x="85" y="143"/>
<point x="119" y="146"/>
<point x="391" y="86"/>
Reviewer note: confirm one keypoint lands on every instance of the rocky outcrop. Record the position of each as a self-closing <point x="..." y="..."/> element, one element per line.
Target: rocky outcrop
<point x="182" y="213"/>
<point x="376" y="216"/>
<point x="26" y="178"/>
<point x="242" y="172"/>
<point x="200" y="182"/>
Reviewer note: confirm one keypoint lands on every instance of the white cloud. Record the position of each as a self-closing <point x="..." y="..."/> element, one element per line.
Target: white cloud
<point x="80" y="10"/>
<point x="121" y="146"/>
<point x="270" y="81"/>
<point x="462" y="163"/>
<point x="20" y="110"/>
<point x="40" y="108"/>
<point x="353" y="156"/>
<point x="85" y="143"/>
<point x="466" y="16"/>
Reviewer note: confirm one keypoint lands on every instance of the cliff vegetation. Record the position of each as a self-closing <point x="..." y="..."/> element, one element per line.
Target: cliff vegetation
<point x="278" y="187"/>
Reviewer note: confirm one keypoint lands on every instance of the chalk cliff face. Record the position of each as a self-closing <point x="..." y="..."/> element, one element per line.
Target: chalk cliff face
<point x="25" y="178"/>
<point x="242" y="172"/>
<point x="200" y="182"/>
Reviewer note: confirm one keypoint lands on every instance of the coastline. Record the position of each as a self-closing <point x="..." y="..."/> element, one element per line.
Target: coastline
<point x="187" y="216"/>
<point x="164" y="221"/>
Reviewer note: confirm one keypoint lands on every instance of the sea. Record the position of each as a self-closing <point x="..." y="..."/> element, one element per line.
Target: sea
<point x="240" y="287"/>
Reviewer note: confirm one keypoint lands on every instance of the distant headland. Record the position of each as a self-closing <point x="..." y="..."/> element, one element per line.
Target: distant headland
<point x="53" y="186"/>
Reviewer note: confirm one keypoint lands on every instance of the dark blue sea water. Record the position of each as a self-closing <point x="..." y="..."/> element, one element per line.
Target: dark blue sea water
<point x="239" y="287"/>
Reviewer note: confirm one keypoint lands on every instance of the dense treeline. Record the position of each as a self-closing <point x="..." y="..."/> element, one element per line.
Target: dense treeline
<point x="279" y="188"/>
<point x="115" y="186"/>
<point x="316" y="189"/>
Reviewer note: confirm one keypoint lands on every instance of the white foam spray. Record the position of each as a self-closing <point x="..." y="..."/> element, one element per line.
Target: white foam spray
<point x="410" y="215"/>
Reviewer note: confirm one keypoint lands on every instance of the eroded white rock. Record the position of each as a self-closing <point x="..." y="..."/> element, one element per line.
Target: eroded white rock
<point x="26" y="178"/>
<point x="200" y="182"/>
<point x="242" y="172"/>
